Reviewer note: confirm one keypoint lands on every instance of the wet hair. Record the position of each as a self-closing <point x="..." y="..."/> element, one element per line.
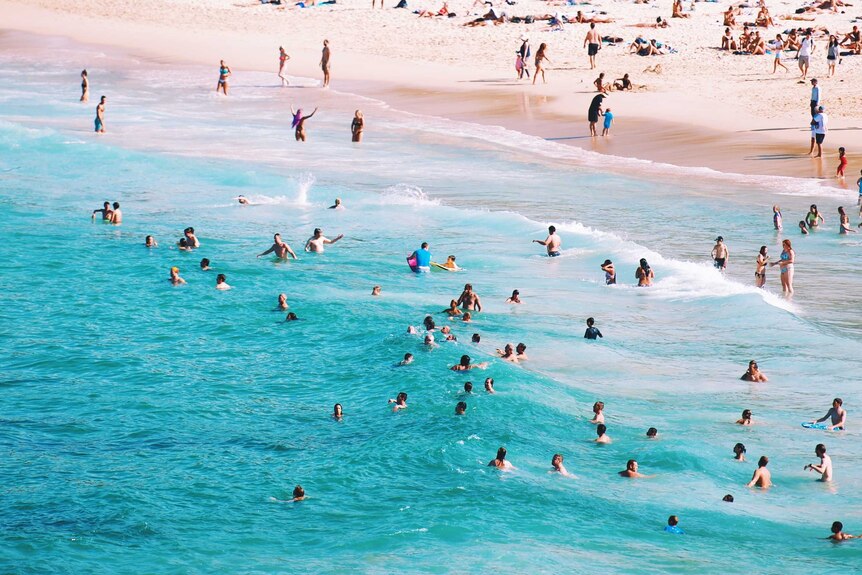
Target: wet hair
<point x="468" y="287"/>
<point x="468" y="387"/>
<point x="408" y="355"/>
<point x="429" y="322"/>
<point x="291" y="316"/>
<point x="204" y="262"/>
<point x="590" y="321"/>
<point x="739" y="448"/>
<point x="148" y="239"/>
<point x="601" y="429"/>
<point x="820" y="449"/>
<point x="598" y="406"/>
<point x="672" y="520"/>
<point x="476" y="338"/>
<point x="465" y="360"/>
<point x="116" y="205"/>
<point x="402" y="396"/>
<point x="317" y="231"/>
<point x="521" y="348"/>
<point x="489" y="382"/>
<point x="763" y="250"/>
<point x="728" y="498"/>
<point x="298" y="491"/>
<point x="608" y="263"/>
<point x="183" y="243"/>
<point x="466" y="316"/>
<point x="461" y="407"/>
<point x="763" y="461"/>
<point x="551" y="229"/>
<point x="838" y="400"/>
<point x="557" y="455"/>
<point x="220" y="278"/>
<point x="515" y="292"/>
<point x="746" y="414"/>
<point x="501" y="454"/>
<point x="424" y="245"/>
<point x="644" y="265"/>
<point x="837" y="527"/>
<point x="841" y="210"/>
<point x="83" y="72"/>
<point x="651" y="432"/>
<point x="336" y="407"/>
<point x="630" y="463"/>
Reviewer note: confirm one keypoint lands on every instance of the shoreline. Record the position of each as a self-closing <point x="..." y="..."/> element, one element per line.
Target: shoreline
<point x="747" y="147"/>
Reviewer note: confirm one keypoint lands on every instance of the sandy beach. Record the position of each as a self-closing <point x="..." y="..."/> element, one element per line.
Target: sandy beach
<point x="705" y="108"/>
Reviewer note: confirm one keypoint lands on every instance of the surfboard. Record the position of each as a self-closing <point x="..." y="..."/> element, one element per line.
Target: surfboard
<point x="436" y="266"/>
<point x="823" y="426"/>
<point x="411" y="261"/>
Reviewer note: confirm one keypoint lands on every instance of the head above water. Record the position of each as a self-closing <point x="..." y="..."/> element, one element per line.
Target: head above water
<point x="601" y="429"/>
<point x="590" y="322"/>
<point x="552" y="230"/>
<point x="739" y="448"/>
<point x="652" y="432"/>
<point x="424" y="245"/>
<point x="501" y="454"/>
<point x="763" y="461"/>
<point x="728" y="498"/>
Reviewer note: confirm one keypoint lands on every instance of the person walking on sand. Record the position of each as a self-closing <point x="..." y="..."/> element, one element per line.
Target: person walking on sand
<point x="820" y="120"/>
<point x="777" y="47"/>
<point x="85" y="87"/>
<point x="324" y="60"/>
<point x="832" y="52"/>
<point x="593" y="43"/>
<point x="524" y="56"/>
<point x="223" y="75"/>
<point x="356" y="126"/>
<point x="788" y="256"/>
<point x="609" y="119"/>
<point x="720" y="254"/>
<point x="541" y="58"/>
<point x="298" y="123"/>
<point x="803" y="54"/>
<point x="282" y="59"/>
<point x="100" y="116"/>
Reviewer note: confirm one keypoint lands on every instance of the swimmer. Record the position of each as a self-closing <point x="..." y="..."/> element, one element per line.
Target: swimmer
<point x="183" y="245"/>
<point x="785" y="262"/>
<point x="489" y="385"/>
<point x="552" y="243"/>
<point x="762" y="477"/>
<point x="282" y="302"/>
<point x="558" y="467"/>
<point x="500" y="461"/>
<point x="746" y="418"/>
<point x="116" y="215"/>
<point x="644" y="274"/>
<point x="754" y="374"/>
<point x="727" y="498"/>
<point x="337" y="205"/>
<point x="298" y="123"/>
<point x="291" y="317"/>
<point x="447" y="331"/>
<point x="298" y="494"/>
<point x="836" y="414"/>
<point x="631" y="470"/>
<point x="468" y="387"/>
<point x="461" y="408"/>
<point x="429" y="341"/>
<point x="221" y="283"/>
<point x="375" y="290"/>
<point x="521" y="352"/>
<point x="337" y="412"/>
<point x="602" y="435"/>
<point x="652" y="433"/>
<point x="428" y="322"/>
<point x="242" y="200"/>
<point x="515" y="297"/>
<point x="105" y="211"/>
<point x="720" y="254"/>
<point x="175" y="278"/>
<point x="151" y="242"/>
<point x="452" y="310"/>
<point x="422" y="257"/>
<point x="411" y="330"/>
<point x="476" y="338"/>
<point x="450" y="264"/>
<point x="760" y="270"/>
<point x="610" y="273"/>
<point x="508" y="353"/>
<point x="838" y="533"/>
<point x="191" y="238"/>
<point x="825" y="466"/>
<point x="803" y="228"/>
<point x="465" y="365"/>
<point x="205" y="265"/>
<point x="317" y="242"/>
<point x="739" y="452"/>
<point x="592" y="331"/>
<point x="673" y="526"/>
<point x="598" y="410"/>
<point x="469" y="299"/>
<point x="844" y="222"/>
<point x="281" y="249"/>
<point x="400" y="402"/>
<point x="408" y="359"/>
<point x="776" y="217"/>
<point x="467" y="317"/>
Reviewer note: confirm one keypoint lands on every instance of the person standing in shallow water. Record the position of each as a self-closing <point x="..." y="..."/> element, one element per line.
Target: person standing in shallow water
<point x="324" y="63"/>
<point x="85" y="87"/>
<point x="298" y="123"/>
<point x="788" y="256"/>
<point x="223" y="75"/>
<point x="100" y="116"/>
<point x="357" y="126"/>
<point x="282" y="60"/>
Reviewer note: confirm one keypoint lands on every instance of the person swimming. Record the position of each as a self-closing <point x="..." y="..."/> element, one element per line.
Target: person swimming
<point x="282" y="302"/>
<point x="836" y="414"/>
<point x="205" y="265"/>
<point x="221" y="283"/>
<point x="598" y="410"/>
<point x="375" y="291"/>
<point x="151" y="242"/>
<point x="825" y="466"/>
<point x="453" y="310"/>
<point x="408" y="359"/>
<point x="515" y="297"/>
<point x="500" y="461"/>
<point x="753" y="373"/>
<point x="631" y="470"/>
<point x="644" y="274"/>
<point x="838" y="533"/>
<point x="558" y="467"/>
<point x="400" y="402"/>
<point x="739" y="452"/>
<point x="746" y="418"/>
<point x="461" y="408"/>
<point x="521" y="352"/>
<point x="762" y="477"/>
<point x="601" y="434"/>
<point x="652" y="433"/>
<point x="175" y="278"/>
<point x="337" y="412"/>
<point x="489" y="385"/>
<point x="592" y="331"/>
<point x="673" y="526"/>
<point x="291" y="317"/>
<point x="610" y="273"/>
<point x="508" y="353"/>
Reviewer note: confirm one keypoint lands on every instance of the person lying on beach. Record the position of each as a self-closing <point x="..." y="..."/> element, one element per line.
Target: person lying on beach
<point x="400" y="402"/>
<point x="600" y="84"/>
<point x="581" y="19"/>
<point x="631" y="470"/>
<point x="762" y="477"/>
<point x="659" y="23"/>
<point x="490" y="15"/>
<point x="838" y="533"/>
<point x="500" y="461"/>
<point x="465" y="365"/>
<point x="677" y="10"/>
<point x="444" y="11"/>
<point x="753" y="373"/>
<point x="508" y="353"/>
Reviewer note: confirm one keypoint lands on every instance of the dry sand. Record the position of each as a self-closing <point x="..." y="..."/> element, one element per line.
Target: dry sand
<point x="706" y="108"/>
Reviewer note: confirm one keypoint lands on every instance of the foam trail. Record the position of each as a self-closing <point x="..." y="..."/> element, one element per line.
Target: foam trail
<point x="303" y="186"/>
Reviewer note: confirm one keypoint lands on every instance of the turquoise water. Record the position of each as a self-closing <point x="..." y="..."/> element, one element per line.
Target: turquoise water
<point x="147" y="428"/>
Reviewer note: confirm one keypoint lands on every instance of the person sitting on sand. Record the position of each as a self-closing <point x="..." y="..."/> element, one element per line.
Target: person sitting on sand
<point x="465" y="365"/>
<point x="730" y="17"/>
<point x="793" y="41"/>
<point x="508" y="353"/>
<point x="836" y="414"/>
<point x="400" y="401"/>
<point x="746" y="418"/>
<point x="838" y="533"/>
<point x="763" y="18"/>
<point x="601" y="434"/>
<point x="631" y="470"/>
<point x="600" y="84"/>
<point x="677" y="10"/>
<point x="728" y="42"/>
<point x="853" y="40"/>
<point x="754" y="374"/>
<point x="452" y="310"/>
<point x="623" y="83"/>
<point x="758" y="44"/>
<point x="762" y="477"/>
<point x="650" y="49"/>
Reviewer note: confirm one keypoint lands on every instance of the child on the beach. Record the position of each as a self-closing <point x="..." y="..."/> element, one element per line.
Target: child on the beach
<point x="609" y="119"/>
<point x="842" y="162"/>
<point x="521" y="66"/>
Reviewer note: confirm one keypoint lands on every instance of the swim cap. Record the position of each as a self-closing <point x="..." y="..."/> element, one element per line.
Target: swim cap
<point x="175" y="269"/>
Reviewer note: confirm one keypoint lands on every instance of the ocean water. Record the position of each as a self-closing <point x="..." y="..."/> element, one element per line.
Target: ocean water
<point x="147" y="428"/>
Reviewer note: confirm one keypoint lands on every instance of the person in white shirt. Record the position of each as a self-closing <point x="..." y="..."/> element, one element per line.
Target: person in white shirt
<point x="819" y="121"/>
<point x="804" y="54"/>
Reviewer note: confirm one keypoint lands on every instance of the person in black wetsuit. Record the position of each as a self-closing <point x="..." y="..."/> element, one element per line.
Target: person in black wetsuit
<point x="592" y="331"/>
